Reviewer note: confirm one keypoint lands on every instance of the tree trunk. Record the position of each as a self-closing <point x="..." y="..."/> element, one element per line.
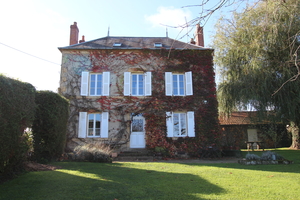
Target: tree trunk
<point x="294" y="130"/>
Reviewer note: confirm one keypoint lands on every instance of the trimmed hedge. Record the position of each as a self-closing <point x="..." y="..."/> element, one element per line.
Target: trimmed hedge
<point x="17" y="108"/>
<point x="50" y="125"/>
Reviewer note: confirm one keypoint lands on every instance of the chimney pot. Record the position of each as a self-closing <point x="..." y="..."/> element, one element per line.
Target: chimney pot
<point x="74" y="34"/>
<point x="192" y="41"/>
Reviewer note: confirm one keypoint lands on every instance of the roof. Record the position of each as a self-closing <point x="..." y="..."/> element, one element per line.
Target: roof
<point x="238" y="118"/>
<point x="133" y="43"/>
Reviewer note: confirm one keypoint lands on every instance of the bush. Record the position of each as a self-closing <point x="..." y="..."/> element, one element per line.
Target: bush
<point x="93" y="152"/>
<point x="17" y="107"/>
<point x="50" y="125"/>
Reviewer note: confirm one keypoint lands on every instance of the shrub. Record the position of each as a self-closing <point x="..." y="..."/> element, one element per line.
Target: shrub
<point x="93" y="152"/>
<point x="17" y="107"/>
<point x="49" y="126"/>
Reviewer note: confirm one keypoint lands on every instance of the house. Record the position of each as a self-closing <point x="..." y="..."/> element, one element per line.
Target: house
<point x="246" y="126"/>
<point x="140" y="92"/>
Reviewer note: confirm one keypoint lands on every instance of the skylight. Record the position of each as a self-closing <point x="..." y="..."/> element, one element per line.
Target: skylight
<point x="117" y="44"/>
<point x="157" y="44"/>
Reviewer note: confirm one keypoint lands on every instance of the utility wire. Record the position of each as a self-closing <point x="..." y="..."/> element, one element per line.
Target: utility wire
<point x="29" y="54"/>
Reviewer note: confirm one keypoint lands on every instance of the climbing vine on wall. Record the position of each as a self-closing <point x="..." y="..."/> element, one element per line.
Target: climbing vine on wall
<point x="203" y="101"/>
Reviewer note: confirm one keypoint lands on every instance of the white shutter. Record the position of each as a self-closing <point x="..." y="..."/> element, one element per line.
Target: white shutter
<point x="104" y="125"/>
<point x="191" y="124"/>
<point x="168" y="83"/>
<point x="188" y="83"/>
<point x="169" y="122"/>
<point x="127" y="80"/>
<point x="82" y="125"/>
<point x="148" y="84"/>
<point x="84" y="90"/>
<point x="106" y="83"/>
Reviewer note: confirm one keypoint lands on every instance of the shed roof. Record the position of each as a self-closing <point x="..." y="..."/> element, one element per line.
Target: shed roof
<point x="238" y="118"/>
<point x="133" y="43"/>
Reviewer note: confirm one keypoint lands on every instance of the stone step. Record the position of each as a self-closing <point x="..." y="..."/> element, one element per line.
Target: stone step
<point x="134" y="155"/>
<point x="133" y="158"/>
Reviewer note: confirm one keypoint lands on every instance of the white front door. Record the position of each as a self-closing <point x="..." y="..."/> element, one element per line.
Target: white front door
<point x="137" y="136"/>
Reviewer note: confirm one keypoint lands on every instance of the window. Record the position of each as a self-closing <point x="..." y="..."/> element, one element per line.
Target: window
<point x="94" y="121"/>
<point x="178" y="84"/>
<point x="137" y="84"/>
<point x="137" y="81"/>
<point x="156" y="45"/>
<point x="95" y="84"/>
<point x="117" y="44"/>
<point x="180" y="124"/>
<point x="137" y="123"/>
<point x="93" y="125"/>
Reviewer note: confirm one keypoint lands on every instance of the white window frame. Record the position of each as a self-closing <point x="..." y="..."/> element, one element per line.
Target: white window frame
<point x="189" y="122"/>
<point x="83" y="126"/>
<point x="147" y="84"/>
<point x="86" y="84"/>
<point x="188" y="84"/>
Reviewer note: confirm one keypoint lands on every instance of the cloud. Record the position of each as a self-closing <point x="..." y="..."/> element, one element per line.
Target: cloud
<point x="169" y="16"/>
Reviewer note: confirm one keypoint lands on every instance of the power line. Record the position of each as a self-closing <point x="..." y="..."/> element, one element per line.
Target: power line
<point x="29" y="54"/>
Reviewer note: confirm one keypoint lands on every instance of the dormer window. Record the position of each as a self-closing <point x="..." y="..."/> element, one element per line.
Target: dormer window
<point x="157" y="44"/>
<point x="117" y="44"/>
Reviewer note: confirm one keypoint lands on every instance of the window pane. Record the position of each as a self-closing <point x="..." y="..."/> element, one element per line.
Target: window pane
<point x="92" y="84"/>
<point x="176" y="124"/>
<point x="91" y="125"/>
<point x="97" y="131"/>
<point x="181" y="84"/>
<point x="141" y="84"/>
<point x="99" y="84"/>
<point x="175" y="85"/>
<point x="97" y="124"/>
<point x="183" y="124"/>
<point x="134" y="84"/>
<point x="137" y="125"/>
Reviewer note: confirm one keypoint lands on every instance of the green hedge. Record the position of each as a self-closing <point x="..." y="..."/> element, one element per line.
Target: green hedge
<point x="50" y="124"/>
<point x="17" y="108"/>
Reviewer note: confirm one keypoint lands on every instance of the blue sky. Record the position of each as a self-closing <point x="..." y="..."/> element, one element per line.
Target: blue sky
<point x="38" y="27"/>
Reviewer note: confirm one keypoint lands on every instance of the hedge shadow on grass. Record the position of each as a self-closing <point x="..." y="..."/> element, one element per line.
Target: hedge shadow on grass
<point x="103" y="181"/>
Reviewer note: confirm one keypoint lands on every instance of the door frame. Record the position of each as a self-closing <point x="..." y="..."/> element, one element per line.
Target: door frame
<point x="137" y="139"/>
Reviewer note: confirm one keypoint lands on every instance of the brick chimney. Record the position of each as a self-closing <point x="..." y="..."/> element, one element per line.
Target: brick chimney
<point x="82" y="40"/>
<point x="199" y="36"/>
<point x="74" y="34"/>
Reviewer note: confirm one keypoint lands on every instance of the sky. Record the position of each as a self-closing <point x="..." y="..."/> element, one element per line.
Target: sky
<point x="32" y="30"/>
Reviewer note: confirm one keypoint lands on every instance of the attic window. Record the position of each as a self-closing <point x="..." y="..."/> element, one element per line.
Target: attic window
<point x="117" y="44"/>
<point x="156" y="45"/>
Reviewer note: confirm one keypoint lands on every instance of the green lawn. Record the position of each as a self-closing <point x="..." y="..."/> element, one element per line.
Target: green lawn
<point x="159" y="180"/>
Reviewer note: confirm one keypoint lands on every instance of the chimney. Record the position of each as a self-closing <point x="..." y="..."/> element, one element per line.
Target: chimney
<point x="192" y="41"/>
<point x="82" y="40"/>
<point x="199" y="36"/>
<point x="74" y="34"/>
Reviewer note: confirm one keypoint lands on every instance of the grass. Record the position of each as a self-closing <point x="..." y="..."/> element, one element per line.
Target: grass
<point x="159" y="180"/>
